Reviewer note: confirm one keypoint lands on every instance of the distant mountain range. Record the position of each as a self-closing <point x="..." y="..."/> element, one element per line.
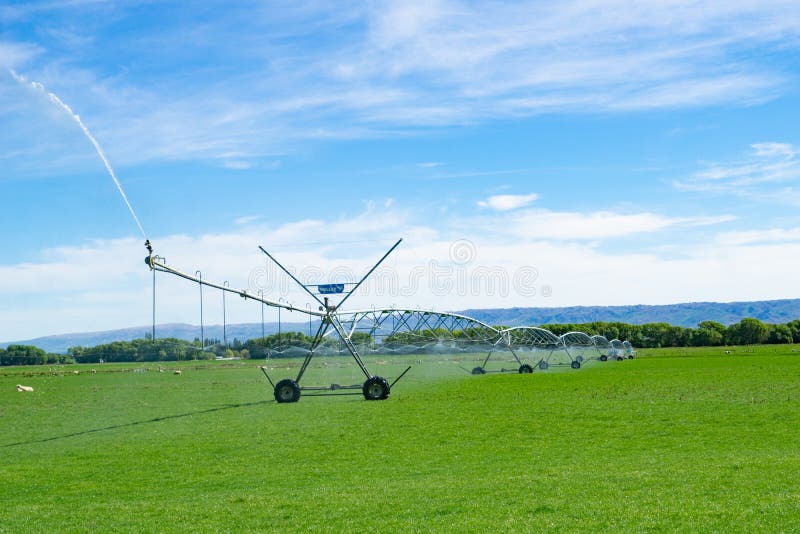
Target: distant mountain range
<point x="60" y="343"/>
<point x="686" y="315"/>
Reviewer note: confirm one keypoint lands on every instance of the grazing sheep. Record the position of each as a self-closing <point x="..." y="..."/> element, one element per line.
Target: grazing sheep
<point x="26" y="389"/>
<point x="178" y="372"/>
<point x="727" y="352"/>
<point x="94" y="371"/>
<point x="76" y="372"/>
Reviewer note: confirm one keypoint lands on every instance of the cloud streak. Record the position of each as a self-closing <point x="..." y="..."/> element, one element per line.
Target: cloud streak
<point x="508" y="202"/>
<point x="13" y="55"/>
<point x="388" y="69"/>
<point x="769" y="172"/>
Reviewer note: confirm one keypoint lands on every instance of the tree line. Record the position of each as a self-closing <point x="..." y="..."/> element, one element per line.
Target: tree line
<point x="707" y="334"/>
<point x="29" y="355"/>
<point x="142" y="350"/>
<point x="653" y="335"/>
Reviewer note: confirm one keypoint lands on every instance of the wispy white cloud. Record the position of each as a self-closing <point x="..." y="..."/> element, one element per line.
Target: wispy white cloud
<point x="247" y="219"/>
<point x="14" y="55"/>
<point x="237" y="165"/>
<point x="771" y="235"/>
<point x="542" y="224"/>
<point x="655" y="54"/>
<point x="770" y="172"/>
<point x="508" y="202"/>
<point x="388" y="68"/>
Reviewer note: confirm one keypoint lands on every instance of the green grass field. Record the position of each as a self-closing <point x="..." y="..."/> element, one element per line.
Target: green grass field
<point x="686" y="440"/>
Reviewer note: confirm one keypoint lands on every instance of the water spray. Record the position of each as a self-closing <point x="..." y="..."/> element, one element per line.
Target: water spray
<point x="54" y="98"/>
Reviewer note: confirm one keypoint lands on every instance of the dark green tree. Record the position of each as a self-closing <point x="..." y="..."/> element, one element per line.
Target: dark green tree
<point x="779" y="333"/>
<point x="23" y="355"/>
<point x="748" y="332"/>
<point x="709" y="334"/>
<point x="794" y="326"/>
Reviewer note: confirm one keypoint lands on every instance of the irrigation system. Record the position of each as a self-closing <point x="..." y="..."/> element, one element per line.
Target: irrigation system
<point x="403" y="331"/>
<point x="394" y="330"/>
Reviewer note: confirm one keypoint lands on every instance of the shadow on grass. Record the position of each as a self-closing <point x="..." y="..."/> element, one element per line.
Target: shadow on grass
<point x="138" y="423"/>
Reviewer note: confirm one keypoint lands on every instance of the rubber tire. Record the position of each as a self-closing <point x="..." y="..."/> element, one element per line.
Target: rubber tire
<point x="287" y="391"/>
<point x="630" y="357"/>
<point x="579" y="359"/>
<point x="479" y="371"/>
<point x="575" y="365"/>
<point x="603" y="358"/>
<point x="376" y="388"/>
<point x="525" y="369"/>
<point x="620" y="359"/>
<point x="543" y="365"/>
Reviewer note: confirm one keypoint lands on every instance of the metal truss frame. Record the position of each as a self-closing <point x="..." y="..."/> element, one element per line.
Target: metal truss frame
<point x="617" y="350"/>
<point x="629" y="350"/>
<point x="512" y="339"/>
<point x="579" y="342"/>
<point x="385" y="323"/>
<point x="603" y="346"/>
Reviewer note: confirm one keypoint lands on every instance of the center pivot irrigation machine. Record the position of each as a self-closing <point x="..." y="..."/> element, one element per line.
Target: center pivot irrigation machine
<point x="289" y="390"/>
<point x="407" y="332"/>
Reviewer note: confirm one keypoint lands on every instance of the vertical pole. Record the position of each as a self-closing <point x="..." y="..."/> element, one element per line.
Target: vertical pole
<point x="224" y="317"/>
<point x="202" y="332"/>
<point x="308" y="306"/>
<point x="153" y="333"/>
<point x="261" y="294"/>
<point x="279" y="321"/>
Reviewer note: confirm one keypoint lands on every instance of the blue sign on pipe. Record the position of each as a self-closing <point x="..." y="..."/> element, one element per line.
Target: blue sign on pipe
<point x="331" y="289"/>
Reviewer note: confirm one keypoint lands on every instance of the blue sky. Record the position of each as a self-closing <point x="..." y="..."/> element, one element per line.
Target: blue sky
<point x="624" y="154"/>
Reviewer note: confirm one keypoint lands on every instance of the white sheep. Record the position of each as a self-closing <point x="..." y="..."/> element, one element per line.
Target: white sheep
<point x="178" y="372"/>
<point x="26" y="389"/>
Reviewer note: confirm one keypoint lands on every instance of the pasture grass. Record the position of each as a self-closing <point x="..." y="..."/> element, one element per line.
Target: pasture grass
<point x="675" y="440"/>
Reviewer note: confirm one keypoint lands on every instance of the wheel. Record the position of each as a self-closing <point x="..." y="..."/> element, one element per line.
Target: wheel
<point x="579" y="359"/>
<point x="287" y="391"/>
<point x="630" y="357"/>
<point x="525" y="369"/>
<point x="479" y="371"/>
<point x="576" y="364"/>
<point x="376" y="388"/>
<point x="603" y="358"/>
<point x="543" y="365"/>
<point x="620" y="359"/>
